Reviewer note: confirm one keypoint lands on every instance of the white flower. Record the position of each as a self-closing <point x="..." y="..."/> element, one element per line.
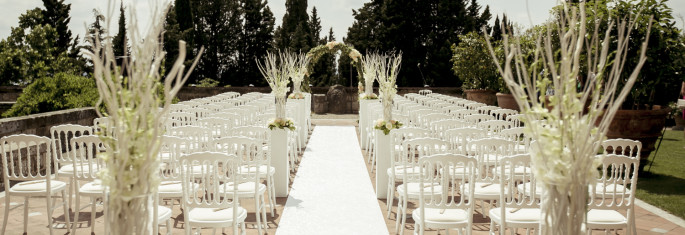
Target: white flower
<point x="332" y="44"/>
<point x="379" y="122"/>
<point x="354" y="54"/>
<point x="388" y="126"/>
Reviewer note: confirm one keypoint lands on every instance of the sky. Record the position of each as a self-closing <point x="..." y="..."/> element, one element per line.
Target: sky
<point x="333" y="13"/>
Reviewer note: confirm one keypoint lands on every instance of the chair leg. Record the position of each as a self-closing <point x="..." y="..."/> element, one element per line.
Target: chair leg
<point x="391" y="194"/>
<point x="26" y="214"/>
<point x="398" y="216"/>
<point x="168" y="227"/>
<point x="264" y="212"/>
<point x="77" y="207"/>
<point x="7" y="212"/>
<point x="93" y="201"/>
<point x="66" y="211"/>
<point x="404" y="214"/>
<point x="49" y="202"/>
<point x="257" y="216"/>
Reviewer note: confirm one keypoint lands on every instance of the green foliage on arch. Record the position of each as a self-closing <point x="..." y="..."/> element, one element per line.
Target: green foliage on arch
<point x="332" y="47"/>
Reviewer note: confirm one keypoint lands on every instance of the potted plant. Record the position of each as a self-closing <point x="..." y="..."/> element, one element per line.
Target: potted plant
<point x="644" y="111"/>
<point x="474" y="66"/>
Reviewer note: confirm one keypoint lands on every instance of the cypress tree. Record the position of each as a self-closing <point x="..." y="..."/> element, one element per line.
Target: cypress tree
<point x="315" y="24"/>
<point x="119" y="42"/>
<point x="288" y="36"/>
<point x="496" y="30"/>
<point x="255" y="41"/>
<point x="172" y="35"/>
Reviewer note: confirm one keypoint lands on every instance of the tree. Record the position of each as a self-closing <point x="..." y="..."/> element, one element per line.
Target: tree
<point x="295" y="32"/>
<point x="119" y="43"/>
<point x="424" y="33"/>
<point x="28" y="53"/>
<point x="172" y="34"/>
<point x="95" y="35"/>
<point x="496" y="30"/>
<point x="315" y="25"/>
<point x="56" y="14"/>
<point x="255" y="40"/>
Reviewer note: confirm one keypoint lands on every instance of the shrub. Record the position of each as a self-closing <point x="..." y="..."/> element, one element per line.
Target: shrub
<point x="63" y="91"/>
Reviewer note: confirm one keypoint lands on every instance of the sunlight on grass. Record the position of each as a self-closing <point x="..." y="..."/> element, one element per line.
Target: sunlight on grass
<point x="664" y="185"/>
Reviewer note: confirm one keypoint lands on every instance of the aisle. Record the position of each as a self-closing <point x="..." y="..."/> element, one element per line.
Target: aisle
<point x="332" y="192"/>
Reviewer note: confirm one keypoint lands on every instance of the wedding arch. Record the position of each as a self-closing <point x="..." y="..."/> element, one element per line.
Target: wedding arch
<point x="332" y="48"/>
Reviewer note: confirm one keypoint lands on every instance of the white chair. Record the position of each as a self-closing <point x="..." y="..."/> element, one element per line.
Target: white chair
<point x="170" y="151"/>
<point x="219" y="127"/>
<point x="61" y="148"/>
<point x="253" y="166"/>
<point x="210" y="204"/>
<point x="23" y="159"/>
<point x="625" y="147"/>
<point x="397" y="139"/>
<point x="516" y="119"/>
<point x="86" y="165"/>
<point x="444" y="201"/>
<point x="517" y="209"/>
<point x="409" y="173"/>
<point x="518" y="136"/>
<point x="474" y="105"/>
<point x="461" y="113"/>
<point x="489" y="152"/>
<point x="427" y="119"/>
<point x="177" y="119"/>
<point x="614" y="193"/>
<point x="440" y="127"/>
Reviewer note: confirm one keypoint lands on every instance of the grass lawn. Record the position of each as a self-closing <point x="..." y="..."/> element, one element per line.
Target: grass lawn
<point x="664" y="185"/>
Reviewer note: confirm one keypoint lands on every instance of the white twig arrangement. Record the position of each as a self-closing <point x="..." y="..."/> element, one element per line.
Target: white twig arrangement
<point x="569" y="125"/>
<point x="370" y="70"/>
<point x="388" y="66"/>
<point x="130" y="92"/>
<point x="296" y="63"/>
<point x="276" y="74"/>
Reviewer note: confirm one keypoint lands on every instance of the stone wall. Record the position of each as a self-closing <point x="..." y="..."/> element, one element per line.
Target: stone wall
<point x="39" y="124"/>
<point x="10" y="93"/>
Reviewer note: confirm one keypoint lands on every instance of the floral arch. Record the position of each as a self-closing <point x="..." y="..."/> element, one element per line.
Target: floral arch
<point x="332" y="47"/>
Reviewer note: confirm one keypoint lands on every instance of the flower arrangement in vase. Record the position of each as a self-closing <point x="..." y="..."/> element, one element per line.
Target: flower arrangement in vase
<point x="387" y="126"/>
<point x="276" y="74"/>
<point x="568" y="125"/>
<point x="296" y="64"/>
<point x="135" y="117"/>
<point x="387" y="68"/>
<point x="281" y="124"/>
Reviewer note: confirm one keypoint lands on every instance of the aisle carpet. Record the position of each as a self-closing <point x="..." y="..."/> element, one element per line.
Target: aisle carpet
<point x="332" y="192"/>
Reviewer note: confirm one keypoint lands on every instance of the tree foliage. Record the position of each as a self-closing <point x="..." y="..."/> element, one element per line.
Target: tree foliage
<point x="295" y="32"/>
<point x="424" y="33"/>
<point x="52" y="93"/>
<point x="473" y="63"/>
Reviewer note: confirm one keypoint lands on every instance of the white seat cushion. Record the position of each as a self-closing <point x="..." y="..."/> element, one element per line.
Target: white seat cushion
<point x="214" y="215"/>
<point x="400" y="170"/>
<point x="609" y="189"/>
<point x="37" y="186"/>
<point x="94" y="187"/>
<point x="527" y="189"/>
<point x="595" y="216"/>
<point x="262" y="169"/>
<point x="163" y="214"/>
<point x="68" y="169"/>
<point x="448" y="216"/>
<point x="485" y="191"/>
<point x="524" y="215"/>
<point x="172" y="187"/>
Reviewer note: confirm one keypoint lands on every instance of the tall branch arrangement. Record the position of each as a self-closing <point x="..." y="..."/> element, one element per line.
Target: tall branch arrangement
<point x="370" y="69"/>
<point x="387" y="68"/>
<point x="296" y="63"/>
<point x="276" y="72"/>
<point x="130" y="94"/>
<point x="569" y="125"/>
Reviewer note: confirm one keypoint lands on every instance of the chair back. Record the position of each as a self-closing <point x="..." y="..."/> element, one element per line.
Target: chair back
<point x="177" y="119"/>
<point x="461" y="113"/>
<point x="414" y="149"/>
<point x="517" y="182"/>
<point x="615" y="188"/>
<point x="61" y="135"/>
<point x="460" y="138"/>
<point x="474" y="119"/>
<point x="518" y="136"/>
<point x="197" y="137"/>
<point x="487" y="109"/>
<point x="516" y="119"/>
<point x="219" y="127"/>
<point x="625" y="147"/>
<point x="86" y="161"/>
<point x="489" y="152"/>
<point x="439" y="177"/>
<point x="502" y="114"/>
<point x="26" y="157"/>
<point x="170" y="151"/>
<point x="494" y="127"/>
<point x="260" y="133"/>
<point x="213" y="170"/>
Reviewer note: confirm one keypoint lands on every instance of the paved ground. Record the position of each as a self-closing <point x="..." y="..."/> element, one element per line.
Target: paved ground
<point x="648" y="222"/>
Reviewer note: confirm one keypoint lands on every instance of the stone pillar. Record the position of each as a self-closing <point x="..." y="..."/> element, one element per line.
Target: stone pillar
<point x="337" y="99"/>
<point x="320" y="104"/>
<point x="279" y="160"/>
<point x="382" y="163"/>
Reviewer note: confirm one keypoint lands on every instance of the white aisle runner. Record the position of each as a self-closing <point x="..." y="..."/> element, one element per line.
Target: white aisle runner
<point x="332" y="192"/>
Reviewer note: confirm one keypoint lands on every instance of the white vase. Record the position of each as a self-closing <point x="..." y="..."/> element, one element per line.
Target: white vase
<point x="564" y="209"/>
<point x="129" y="216"/>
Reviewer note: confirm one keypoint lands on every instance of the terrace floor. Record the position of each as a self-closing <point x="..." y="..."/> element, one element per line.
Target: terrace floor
<point x="650" y="220"/>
